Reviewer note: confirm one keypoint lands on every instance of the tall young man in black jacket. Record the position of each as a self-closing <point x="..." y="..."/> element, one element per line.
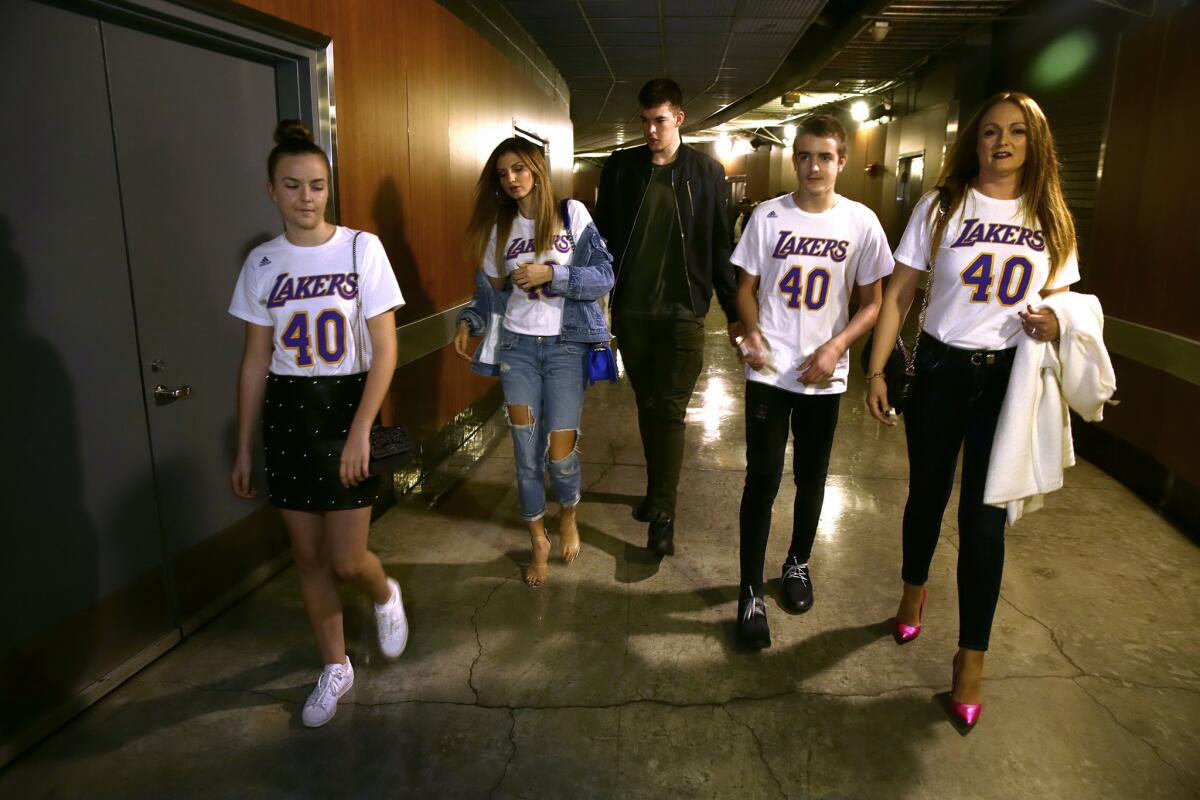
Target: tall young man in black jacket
<point x="664" y="209"/>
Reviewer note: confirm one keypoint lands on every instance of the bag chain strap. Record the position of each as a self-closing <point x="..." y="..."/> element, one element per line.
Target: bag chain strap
<point x="910" y="357"/>
<point x="358" y="320"/>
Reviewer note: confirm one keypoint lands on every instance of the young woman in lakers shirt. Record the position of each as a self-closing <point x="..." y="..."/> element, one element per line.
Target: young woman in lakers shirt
<point x="1006" y="239"/>
<point x="318" y="302"/>
<point x="541" y="281"/>
<point x="801" y="256"/>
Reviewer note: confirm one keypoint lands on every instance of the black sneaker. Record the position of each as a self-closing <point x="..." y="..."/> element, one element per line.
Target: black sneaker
<point x="642" y="511"/>
<point x="661" y="537"/>
<point x="752" y="622"/>
<point x="797" y="586"/>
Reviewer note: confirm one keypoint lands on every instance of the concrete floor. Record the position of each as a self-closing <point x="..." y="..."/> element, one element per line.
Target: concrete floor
<point x="620" y="677"/>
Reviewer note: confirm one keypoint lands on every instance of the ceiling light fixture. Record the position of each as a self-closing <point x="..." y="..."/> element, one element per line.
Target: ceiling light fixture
<point x="880" y="30"/>
<point x="724" y="147"/>
<point x="859" y="111"/>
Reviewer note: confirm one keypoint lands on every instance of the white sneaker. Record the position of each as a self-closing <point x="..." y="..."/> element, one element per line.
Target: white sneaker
<point x="393" y="625"/>
<point x="321" y="705"/>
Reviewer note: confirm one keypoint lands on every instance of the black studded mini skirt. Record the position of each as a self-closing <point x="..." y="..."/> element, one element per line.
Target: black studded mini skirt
<point x="305" y="421"/>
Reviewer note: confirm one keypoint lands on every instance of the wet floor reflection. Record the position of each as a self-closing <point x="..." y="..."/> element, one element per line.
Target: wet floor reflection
<point x="720" y="391"/>
<point x="711" y="407"/>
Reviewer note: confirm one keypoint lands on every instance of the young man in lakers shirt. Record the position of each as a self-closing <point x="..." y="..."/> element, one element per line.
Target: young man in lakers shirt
<point x="801" y="256"/>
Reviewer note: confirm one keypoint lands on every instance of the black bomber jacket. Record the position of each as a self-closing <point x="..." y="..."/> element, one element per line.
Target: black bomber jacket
<point x="702" y="201"/>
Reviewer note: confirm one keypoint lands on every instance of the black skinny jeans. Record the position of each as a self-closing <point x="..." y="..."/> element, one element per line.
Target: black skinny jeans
<point x="956" y="403"/>
<point x="663" y="358"/>
<point x="770" y="412"/>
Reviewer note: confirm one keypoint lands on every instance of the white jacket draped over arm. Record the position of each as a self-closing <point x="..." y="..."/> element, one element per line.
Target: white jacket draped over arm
<point x="1033" y="442"/>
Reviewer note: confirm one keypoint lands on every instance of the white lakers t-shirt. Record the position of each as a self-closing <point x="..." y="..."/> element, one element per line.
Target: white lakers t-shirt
<point x="807" y="265"/>
<point x="537" y="312"/>
<point x="307" y="294"/>
<point x="989" y="267"/>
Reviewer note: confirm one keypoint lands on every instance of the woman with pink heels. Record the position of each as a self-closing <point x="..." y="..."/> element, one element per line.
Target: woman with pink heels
<point x="995" y="237"/>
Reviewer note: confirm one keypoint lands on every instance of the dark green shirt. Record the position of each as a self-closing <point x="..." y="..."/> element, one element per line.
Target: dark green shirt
<point x="654" y="280"/>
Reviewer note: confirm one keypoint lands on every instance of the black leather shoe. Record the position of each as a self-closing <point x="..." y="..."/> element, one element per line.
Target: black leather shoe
<point x="752" y="622"/>
<point x="661" y="537"/>
<point x="797" y="586"/>
<point x="642" y="511"/>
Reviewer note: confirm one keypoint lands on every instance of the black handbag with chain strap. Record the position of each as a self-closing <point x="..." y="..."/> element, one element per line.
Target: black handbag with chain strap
<point x="391" y="447"/>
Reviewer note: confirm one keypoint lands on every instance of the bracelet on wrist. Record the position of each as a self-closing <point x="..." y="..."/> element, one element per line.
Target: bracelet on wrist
<point x="874" y="375"/>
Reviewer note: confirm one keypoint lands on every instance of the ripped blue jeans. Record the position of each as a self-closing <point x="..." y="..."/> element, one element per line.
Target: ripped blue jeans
<point x="547" y="375"/>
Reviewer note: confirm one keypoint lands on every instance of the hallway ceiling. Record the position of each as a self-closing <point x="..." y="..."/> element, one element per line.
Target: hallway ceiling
<point x="718" y="50"/>
<point x="734" y="58"/>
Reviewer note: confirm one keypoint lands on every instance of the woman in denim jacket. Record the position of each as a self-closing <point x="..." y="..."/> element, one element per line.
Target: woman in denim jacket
<point x="535" y="305"/>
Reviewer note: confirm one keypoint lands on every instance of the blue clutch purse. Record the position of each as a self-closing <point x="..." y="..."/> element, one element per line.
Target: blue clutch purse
<point x="601" y="364"/>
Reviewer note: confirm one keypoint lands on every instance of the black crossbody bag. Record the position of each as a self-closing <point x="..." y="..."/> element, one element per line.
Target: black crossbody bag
<point x="391" y="447"/>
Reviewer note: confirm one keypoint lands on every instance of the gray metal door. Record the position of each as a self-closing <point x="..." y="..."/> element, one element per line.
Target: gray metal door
<point x="81" y="578"/>
<point x="192" y="128"/>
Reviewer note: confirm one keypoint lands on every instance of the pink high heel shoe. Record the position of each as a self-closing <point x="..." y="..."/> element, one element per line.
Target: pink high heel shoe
<point x="906" y="633"/>
<point x="966" y="714"/>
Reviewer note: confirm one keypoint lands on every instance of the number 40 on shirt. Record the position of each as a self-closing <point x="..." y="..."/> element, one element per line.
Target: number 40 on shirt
<point x="330" y="330"/>
<point x="979" y="275"/>
<point x="814" y="290"/>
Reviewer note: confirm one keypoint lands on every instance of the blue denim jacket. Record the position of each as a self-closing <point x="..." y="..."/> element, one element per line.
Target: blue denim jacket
<point x="581" y="283"/>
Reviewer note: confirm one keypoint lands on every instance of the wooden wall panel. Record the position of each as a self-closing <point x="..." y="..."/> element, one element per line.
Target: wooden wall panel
<point x="1146" y="244"/>
<point x="427" y="49"/>
<point x="1156" y="415"/>
<point x="1076" y="99"/>
<point x="758" y="174"/>
<point x="922" y="131"/>
<point x="734" y="165"/>
<point x="587" y="184"/>
<point x="787" y="172"/>
<point x="852" y="181"/>
<point x="775" y="171"/>
<point x="421" y="101"/>
<point x="1128" y="134"/>
<point x="866" y="146"/>
<point x="1168" y="202"/>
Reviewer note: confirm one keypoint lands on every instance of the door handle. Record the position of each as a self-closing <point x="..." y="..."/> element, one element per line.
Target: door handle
<point x="164" y="395"/>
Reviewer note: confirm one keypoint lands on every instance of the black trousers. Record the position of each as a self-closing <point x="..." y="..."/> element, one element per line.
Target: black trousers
<point x="770" y="413"/>
<point x="663" y="358"/>
<point x="956" y="400"/>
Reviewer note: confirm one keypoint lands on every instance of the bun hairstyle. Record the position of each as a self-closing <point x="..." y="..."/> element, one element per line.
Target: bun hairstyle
<point x="293" y="138"/>
<point x="292" y="129"/>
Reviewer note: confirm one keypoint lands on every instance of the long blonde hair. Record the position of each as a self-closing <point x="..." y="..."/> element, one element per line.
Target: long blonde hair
<point x="1041" y="187"/>
<point x="494" y="207"/>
